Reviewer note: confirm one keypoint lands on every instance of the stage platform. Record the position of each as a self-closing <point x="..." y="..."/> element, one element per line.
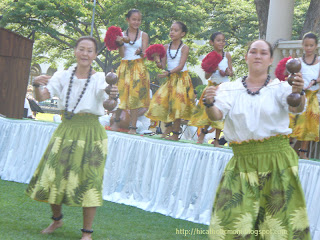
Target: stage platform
<point x="176" y="179"/>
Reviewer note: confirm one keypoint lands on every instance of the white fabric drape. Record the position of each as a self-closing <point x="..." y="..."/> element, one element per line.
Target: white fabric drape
<point x="173" y="178"/>
<point x="22" y="143"/>
<point x="309" y="173"/>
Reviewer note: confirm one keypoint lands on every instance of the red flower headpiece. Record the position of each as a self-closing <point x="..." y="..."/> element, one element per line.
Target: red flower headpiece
<point x="155" y="49"/>
<point x="281" y="69"/>
<point x="211" y="61"/>
<point x="111" y="35"/>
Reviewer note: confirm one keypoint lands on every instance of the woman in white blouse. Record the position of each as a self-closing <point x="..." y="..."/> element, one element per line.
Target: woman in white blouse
<point x="72" y="167"/>
<point x="259" y="196"/>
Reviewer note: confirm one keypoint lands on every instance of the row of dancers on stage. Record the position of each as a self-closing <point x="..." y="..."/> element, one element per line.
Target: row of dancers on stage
<point x="260" y="191"/>
<point x="174" y="100"/>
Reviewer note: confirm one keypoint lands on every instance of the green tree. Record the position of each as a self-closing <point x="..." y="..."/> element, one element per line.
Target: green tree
<point x="58" y="23"/>
<point x="306" y="17"/>
<point x="243" y="21"/>
<point x="300" y="18"/>
<point x="237" y="19"/>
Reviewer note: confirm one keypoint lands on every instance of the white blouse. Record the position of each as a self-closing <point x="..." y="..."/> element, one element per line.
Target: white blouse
<point x="216" y="77"/>
<point x="130" y="50"/>
<point x="173" y="63"/>
<point x="310" y="72"/>
<point x="91" y="101"/>
<point x="255" y="117"/>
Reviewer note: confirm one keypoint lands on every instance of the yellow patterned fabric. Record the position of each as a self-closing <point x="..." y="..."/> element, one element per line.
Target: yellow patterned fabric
<point x="173" y="100"/>
<point x="305" y="126"/>
<point x="72" y="167"/>
<point x="200" y="117"/>
<point x="134" y="84"/>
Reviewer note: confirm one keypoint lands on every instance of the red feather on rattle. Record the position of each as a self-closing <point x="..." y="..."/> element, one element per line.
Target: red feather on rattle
<point x="111" y="35"/>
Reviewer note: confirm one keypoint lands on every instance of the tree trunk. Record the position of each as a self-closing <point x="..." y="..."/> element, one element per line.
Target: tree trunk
<point x="312" y="22"/>
<point x="262" y="7"/>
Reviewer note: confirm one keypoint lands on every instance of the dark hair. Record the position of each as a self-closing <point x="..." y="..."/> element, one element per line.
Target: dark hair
<point x="269" y="44"/>
<point x="92" y="39"/>
<point x="214" y="35"/>
<point x="182" y="26"/>
<point x="128" y="15"/>
<point x="310" y="35"/>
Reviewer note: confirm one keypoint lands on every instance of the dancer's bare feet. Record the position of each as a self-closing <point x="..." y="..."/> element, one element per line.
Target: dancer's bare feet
<point x="203" y="133"/>
<point x="174" y="137"/>
<point x="115" y="125"/>
<point x="133" y="130"/>
<point x="201" y="137"/>
<point x="166" y="132"/>
<point x="52" y="227"/>
<point x="86" y="236"/>
<point x="303" y="154"/>
<point x="216" y="143"/>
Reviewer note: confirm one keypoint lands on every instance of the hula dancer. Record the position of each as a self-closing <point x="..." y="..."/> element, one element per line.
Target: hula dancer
<point x="173" y="101"/>
<point x="260" y="195"/>
<point x="134" y="82"/>
<point x="72" y="167"/>
<point x="220" y="75"/>
<point x="306" y="125"/>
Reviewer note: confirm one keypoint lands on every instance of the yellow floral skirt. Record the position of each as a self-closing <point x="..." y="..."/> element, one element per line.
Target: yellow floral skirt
<point x="72" y="167"/>
<point x="173" y="100"/>
<point x="260" y="194"/>
<point x="305" y="126"/>
<point x="200" y="118"/>
<point x="134" y="84"/>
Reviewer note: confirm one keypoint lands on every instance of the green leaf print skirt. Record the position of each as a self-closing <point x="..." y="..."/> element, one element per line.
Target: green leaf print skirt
<point x="260" y="195"/>
<point x="72" y="167"/>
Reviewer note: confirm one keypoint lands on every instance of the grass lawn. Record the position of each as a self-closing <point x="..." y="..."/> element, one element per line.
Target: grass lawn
<point x="23" y="218"/>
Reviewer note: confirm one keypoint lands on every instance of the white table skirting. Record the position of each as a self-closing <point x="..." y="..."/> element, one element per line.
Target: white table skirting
<point x="173" y="178"/>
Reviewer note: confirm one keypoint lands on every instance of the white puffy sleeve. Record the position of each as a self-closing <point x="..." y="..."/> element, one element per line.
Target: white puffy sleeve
<point x="223" y="100"/>
<point x="101" y="85"/>
<point x="55" y="85"/>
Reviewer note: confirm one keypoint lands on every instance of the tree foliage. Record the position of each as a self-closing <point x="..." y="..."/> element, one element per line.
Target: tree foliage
<point x="237" y="19"/>
<point x="312" y="22"/>
<point x="262" y="7"/>
<point x="58" y="23"/>
<point x="300" y="14"/>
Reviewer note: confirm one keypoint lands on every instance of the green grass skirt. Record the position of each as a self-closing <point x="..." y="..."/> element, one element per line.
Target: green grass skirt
<point x="260" y="195"/>
<point x="72" y="167"/>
